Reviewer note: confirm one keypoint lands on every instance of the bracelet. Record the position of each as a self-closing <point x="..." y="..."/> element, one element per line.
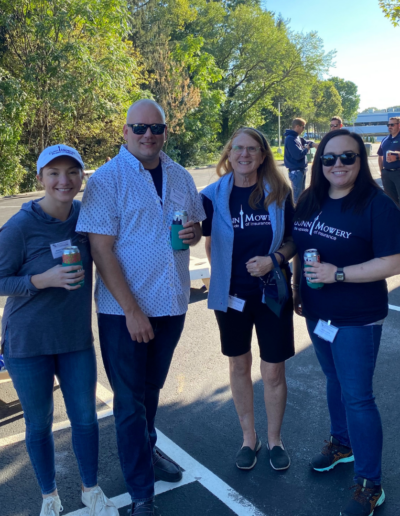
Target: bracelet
<point x="295" y="286"/>
<point x="281" y="256"/>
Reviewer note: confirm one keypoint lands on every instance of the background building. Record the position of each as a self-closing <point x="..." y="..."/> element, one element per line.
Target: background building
<point x="373" y="123"/>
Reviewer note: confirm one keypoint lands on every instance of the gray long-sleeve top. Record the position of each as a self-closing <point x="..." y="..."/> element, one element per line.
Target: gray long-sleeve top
<point x="47" y="321"/>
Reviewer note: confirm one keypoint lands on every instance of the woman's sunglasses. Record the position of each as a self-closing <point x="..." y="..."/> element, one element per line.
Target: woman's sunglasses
<point x="347" y="158"/>
<point x="142" y="128"/>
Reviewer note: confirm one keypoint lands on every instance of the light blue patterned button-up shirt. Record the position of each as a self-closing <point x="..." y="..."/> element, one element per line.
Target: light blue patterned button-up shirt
<point x="121" y="200"/>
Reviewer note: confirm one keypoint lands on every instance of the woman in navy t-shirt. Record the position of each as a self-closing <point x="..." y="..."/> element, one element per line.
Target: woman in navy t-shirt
<point x="249" y="216"/>
<point x="355" y="228"/>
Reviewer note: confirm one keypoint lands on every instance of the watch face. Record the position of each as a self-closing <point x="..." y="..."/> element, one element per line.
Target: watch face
<point x="339" y="276"/>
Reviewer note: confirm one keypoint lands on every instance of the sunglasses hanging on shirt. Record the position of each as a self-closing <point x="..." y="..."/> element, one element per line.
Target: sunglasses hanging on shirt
<point x="347" y="158"/>
<point x="142" y="128"/>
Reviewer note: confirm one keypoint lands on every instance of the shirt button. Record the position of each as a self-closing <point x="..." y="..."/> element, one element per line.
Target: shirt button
<point x="171" y="285"/>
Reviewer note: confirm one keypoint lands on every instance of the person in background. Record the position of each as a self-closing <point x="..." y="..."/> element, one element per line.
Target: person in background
<point x="295" y="157"/>
<point x="249" y="217"/>
<point x="336" y="123"/>
<point x="46" y="326"/>
<point x="389" y="160"/>
<point x="143" y="287"/>
<point x="355" y="227"/>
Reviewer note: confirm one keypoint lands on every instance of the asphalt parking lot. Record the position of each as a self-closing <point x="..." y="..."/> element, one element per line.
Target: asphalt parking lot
<point x="199" y="429"/>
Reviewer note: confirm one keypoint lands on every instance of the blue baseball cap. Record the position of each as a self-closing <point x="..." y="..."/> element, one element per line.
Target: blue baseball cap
<point x="55" y="151"/>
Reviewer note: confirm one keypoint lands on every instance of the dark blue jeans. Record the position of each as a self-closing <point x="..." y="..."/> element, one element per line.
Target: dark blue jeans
<point x="298" y="180"/>
<point x="137" y="372"/>
<point x="349" y="365"/>
<point x="33" y="379"/>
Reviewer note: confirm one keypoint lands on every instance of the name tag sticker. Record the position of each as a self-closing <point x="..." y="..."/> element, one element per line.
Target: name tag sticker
<point x="178" y="197"/>
<point x="236" y="303"/>
<point x="326" y="331"/>
<point x="58" y="248"/>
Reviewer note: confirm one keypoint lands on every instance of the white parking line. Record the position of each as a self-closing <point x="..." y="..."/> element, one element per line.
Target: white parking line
<point x="17" y="438"/>
<point x="124" y="500"/>
<point x="396" y="308"/>
<point x="193" y="468"/>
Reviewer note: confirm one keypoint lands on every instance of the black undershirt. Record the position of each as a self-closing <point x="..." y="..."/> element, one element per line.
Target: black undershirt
<point x="156" y="174"/>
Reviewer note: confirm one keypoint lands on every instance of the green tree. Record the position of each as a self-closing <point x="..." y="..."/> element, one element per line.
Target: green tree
<point x="391" y="8"/>
<point x="271" y="63"/>
<point x="77" y="69"/>
<point x="348" y="92"/>
<point x="13" y="110"/>
<point x="326" y="102"/>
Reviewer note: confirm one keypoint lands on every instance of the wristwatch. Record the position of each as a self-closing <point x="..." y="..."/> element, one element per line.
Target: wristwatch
<point x="339" y="274"/>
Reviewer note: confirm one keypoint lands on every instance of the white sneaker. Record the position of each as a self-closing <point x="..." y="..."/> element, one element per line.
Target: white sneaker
<point x="98" y="503"/>
<point x="51" y="506"/>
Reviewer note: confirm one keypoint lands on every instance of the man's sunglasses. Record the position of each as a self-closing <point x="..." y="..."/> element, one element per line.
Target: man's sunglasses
<point x="392" y="125"/>
<point x="142" y="128"/>
<point x="347" y="158"/>
<point x="332" y="125"/>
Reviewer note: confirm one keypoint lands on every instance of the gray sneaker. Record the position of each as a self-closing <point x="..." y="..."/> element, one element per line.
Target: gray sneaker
<point x="246" y="458"/>
<point x="279" y="458"/>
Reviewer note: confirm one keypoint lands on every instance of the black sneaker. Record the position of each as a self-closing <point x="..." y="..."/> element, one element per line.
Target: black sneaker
<point x="279" y="458"/>
<point x="246" y="458"/>
<point x="366" y="498"/>
<point x="165" y="469"/>
<point x="332" y="454"/>
<point x="143" y="509"/>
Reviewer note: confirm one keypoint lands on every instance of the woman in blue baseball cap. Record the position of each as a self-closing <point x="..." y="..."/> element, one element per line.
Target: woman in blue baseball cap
<point x="46" y="326"/>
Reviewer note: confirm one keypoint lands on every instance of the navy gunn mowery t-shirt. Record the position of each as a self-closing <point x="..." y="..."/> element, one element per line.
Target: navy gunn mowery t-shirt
<point x="344" y="238"/>
<point x="252" y="236"/>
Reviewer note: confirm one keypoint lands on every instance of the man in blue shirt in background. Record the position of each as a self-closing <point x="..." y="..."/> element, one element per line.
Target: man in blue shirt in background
<point x="389" y="160"/>
<point x="296" y="149"/>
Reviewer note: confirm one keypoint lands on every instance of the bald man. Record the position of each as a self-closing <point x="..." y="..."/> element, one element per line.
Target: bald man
<point x="143" y="286"/>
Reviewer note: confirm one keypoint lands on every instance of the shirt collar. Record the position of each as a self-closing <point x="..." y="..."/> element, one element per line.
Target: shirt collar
<point x="135" y="163"/>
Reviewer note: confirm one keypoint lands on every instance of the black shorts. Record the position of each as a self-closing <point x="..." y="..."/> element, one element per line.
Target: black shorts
<point x="275" y="334"/>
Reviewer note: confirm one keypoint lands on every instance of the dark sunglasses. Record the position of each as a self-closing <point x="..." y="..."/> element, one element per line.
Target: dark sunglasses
<point x="142" y="128"/>
<point x="392" y="125"/>
<point x="347" y="158"/>
<point x="332" y="125"/>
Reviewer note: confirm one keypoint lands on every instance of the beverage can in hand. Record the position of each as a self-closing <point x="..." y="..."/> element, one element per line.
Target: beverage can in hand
<point x="179" y="219"/>
<point x="72" y="256"/>
<point x="312" y="255"/>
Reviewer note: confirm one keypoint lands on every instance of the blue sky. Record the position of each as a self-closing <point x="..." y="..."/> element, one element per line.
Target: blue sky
<point x="367" y="44"/>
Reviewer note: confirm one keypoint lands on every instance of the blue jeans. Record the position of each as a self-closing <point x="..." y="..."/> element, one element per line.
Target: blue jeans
<point x="298" y="180"/>
<point x="137" y="372"/>
<point x="349" y="365"/>
<point x="33" y="379"/>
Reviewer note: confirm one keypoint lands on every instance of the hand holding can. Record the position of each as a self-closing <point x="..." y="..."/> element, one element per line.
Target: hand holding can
<point x="312" y="255"/>
<point x="72" y="256"/>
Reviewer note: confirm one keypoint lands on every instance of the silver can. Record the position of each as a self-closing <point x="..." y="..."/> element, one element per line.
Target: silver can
<point x="180" y="218"/>
<point x="312" y="255"/>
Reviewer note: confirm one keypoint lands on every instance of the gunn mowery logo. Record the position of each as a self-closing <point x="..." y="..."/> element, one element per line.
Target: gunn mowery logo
<point x="317" y="227"/>
<point x="244" y="220"/>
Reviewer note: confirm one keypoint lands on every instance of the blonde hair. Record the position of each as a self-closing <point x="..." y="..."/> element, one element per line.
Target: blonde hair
<point x="267" y="171"/>
<point x="397" y="118"/>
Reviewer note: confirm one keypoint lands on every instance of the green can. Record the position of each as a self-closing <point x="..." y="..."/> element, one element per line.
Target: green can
<point x="312" y="255"/>
<point x="72" y="256"/>
<point x="180" y="218"/>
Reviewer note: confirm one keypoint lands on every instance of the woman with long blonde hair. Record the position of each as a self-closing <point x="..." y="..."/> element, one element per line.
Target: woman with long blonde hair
<point x="248" y="229"/>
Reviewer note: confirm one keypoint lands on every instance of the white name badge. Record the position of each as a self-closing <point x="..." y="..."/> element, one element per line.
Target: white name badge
<point x="57" y="249"/>
<point x="178" y="197"/>
<point x="236" y="303"/>
<point x="326" y="331"/>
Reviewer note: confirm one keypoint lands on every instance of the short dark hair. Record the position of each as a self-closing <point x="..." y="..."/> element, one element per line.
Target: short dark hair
<point x="312" y="199"/>
<point x="338" y="119"/>
<point x="298" y="121"/>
